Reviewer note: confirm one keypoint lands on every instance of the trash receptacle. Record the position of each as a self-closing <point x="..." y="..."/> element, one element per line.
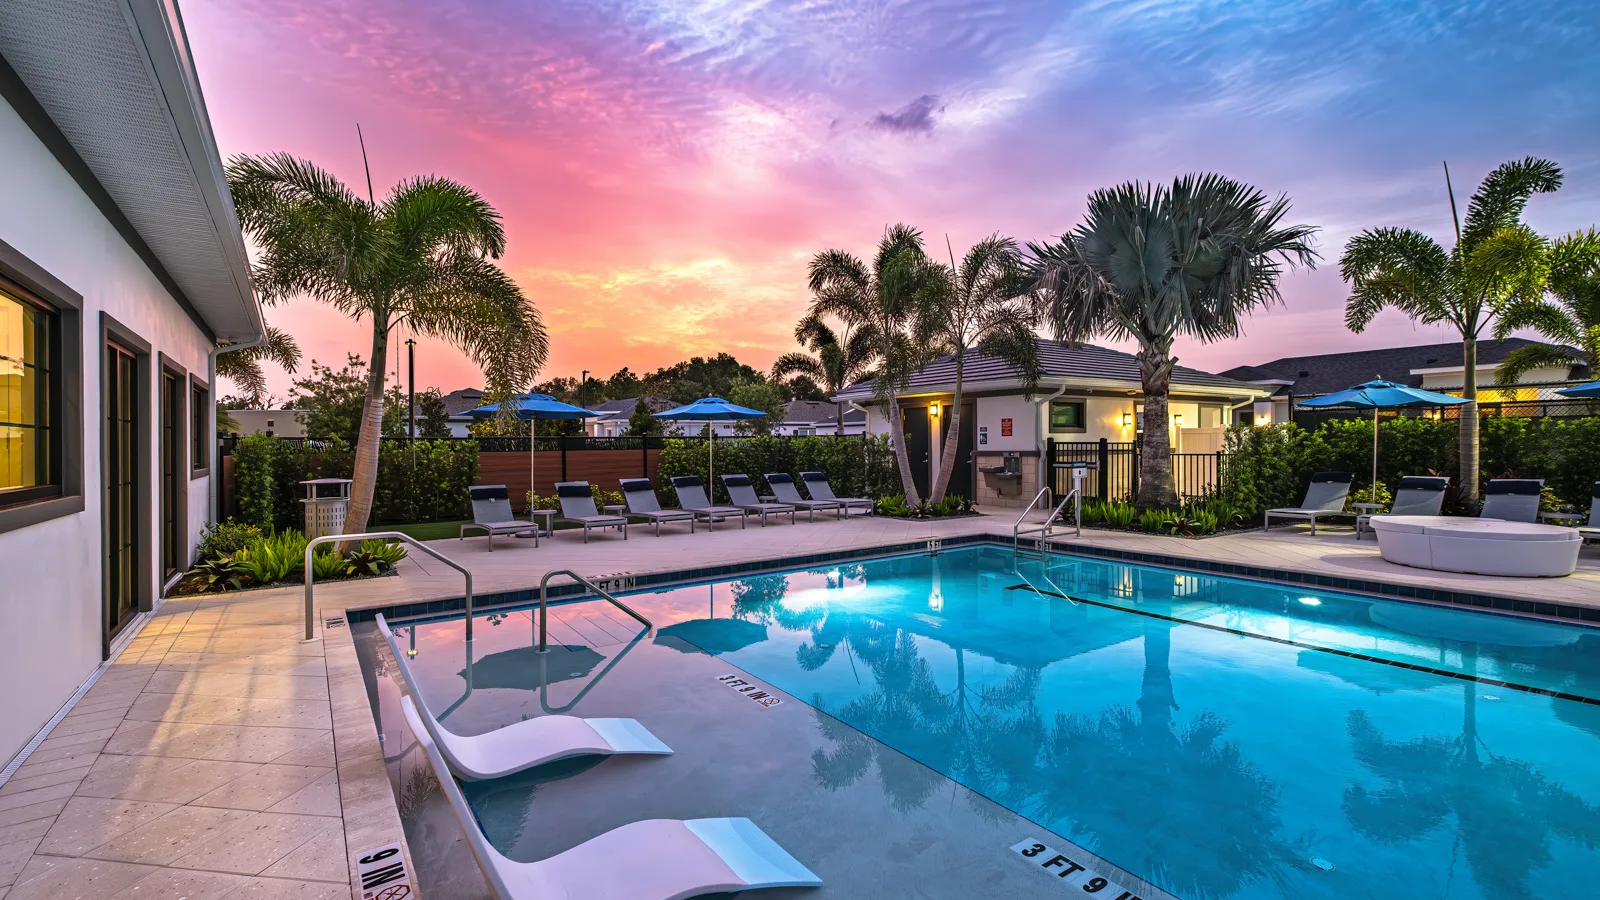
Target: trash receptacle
<point x="326" y="502"/>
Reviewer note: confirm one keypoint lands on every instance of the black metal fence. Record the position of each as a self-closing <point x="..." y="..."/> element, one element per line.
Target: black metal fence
<point x="1116" y="476"/>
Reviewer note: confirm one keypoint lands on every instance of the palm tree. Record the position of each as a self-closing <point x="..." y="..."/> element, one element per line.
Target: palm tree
<point x="837" y="359"/>
<point x="1570" y="316"/>
<point x="243" y="367"/>
<point x="978" y="304"/>
<point x="881" y="300"/>
<point x="1152" y="263"/>
<point x="422" y="258"/>
<point x="1494" y="260"/>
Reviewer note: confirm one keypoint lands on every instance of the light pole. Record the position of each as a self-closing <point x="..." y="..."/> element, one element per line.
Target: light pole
<point x="411" y="378"/>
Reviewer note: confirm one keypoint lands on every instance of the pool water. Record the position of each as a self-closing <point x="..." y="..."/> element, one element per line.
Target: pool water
<point x="1220" y="738"/>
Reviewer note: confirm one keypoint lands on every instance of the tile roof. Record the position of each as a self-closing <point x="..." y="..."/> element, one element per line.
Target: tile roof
<point x="1323" y="374"/>
<point x="458" y="402"/>
<point x="1059" y="360"/>
<point x="611" y="408"/>
<point x="811" y="412"/>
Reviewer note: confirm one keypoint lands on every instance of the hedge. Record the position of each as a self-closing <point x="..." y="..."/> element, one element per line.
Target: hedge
<point x="429" y="486"/>
<point x="1271" y="466"/>
<point x="856" y="467"/>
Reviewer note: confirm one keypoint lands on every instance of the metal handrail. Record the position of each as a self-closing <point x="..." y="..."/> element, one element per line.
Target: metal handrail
<point x="544" y="597"/>
<point x="394" y="535"/>
<point x="1044" y="530"/>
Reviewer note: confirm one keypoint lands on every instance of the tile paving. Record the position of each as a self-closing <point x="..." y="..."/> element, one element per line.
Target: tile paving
<point x="217" y="756"/>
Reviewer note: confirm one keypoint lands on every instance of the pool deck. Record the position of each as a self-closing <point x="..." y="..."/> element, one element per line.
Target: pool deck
<point x="217" y="756"/>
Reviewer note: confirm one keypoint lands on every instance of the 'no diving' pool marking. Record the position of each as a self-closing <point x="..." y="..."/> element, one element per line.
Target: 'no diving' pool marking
<point x="1348" y="654"/>
<point x="1072" y="874"/>
<point x="762" y="698"/>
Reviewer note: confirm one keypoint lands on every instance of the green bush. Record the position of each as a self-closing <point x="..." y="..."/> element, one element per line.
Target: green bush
<point x="224" y="539"/>
<point x="275" y="558"/>
<point x="1365" y="496"/>
<point x="327" y="563"/>
<point x="1118" y="513"/>
<point x="426" y="482"/>
<point x="218" y="573"/>
<point x="1157" y="520"/>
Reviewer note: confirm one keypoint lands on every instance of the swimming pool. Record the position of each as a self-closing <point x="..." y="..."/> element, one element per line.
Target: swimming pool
<point x="1220" y="738"/>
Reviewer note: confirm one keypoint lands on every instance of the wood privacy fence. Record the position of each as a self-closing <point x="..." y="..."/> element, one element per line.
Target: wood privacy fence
<point x="1116" y="477"/>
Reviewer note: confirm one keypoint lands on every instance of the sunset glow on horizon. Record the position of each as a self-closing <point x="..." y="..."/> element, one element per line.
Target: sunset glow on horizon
<point x="666" y="168"/>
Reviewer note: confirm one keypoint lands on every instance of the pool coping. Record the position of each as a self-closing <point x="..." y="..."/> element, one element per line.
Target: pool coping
<point x="1563" y="613"/>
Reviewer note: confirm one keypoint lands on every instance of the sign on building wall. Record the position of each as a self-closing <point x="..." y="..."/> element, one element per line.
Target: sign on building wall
<point x="1005" y="428"/>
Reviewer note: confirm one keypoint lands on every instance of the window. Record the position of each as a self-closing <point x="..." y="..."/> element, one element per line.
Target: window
<point x="200" y="436"/>
<point x="27" y="433"/>
<point x="1067" y="416"/>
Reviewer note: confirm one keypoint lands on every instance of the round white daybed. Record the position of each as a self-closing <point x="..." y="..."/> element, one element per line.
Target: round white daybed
<point x="1478" y="546"/>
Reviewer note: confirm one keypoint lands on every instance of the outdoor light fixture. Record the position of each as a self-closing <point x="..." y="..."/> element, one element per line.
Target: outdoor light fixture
<point x="933" y="410"/>
<point x="1127" y="420"/>
<point x="1178" y="420"/>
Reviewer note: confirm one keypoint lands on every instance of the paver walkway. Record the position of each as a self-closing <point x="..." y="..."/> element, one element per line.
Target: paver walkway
<point x="220" y="757"/>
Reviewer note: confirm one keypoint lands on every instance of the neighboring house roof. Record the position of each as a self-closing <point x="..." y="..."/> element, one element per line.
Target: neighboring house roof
<point x="111" y="90"/>
<point x="612" y="409"/>
<point x="457" y="403"/>
<point x="815" y="413"/>
<point x="1312" y="376"/>
<point x="1087" y="364"/>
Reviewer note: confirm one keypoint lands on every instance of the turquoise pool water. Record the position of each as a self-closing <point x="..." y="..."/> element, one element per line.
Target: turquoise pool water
<point x="1220" y="738"/>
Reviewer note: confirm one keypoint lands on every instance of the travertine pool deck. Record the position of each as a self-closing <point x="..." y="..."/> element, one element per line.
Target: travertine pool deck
<point x="220" y="757"/>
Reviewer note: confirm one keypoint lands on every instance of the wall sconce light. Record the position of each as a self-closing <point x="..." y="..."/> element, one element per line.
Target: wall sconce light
<point x="933" y="410"/>
<point x="1178" y="420"/>
<point x="1127" y="420"/>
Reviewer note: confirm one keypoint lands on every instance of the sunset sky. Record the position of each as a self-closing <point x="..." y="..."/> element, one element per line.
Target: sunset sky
<point x="666" y="167"/>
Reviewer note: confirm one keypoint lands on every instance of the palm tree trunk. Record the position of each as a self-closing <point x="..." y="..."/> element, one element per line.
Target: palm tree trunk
<point x="897" y="431"/>
<point x="838" y="409"/>
<point x="364" y="478"/>
<point x="1155" y="457"/>
<point x="1469" y="423"/>
<point x="952" y="440"/>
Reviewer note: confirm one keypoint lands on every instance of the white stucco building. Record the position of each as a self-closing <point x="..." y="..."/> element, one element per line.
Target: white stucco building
<point x="1087" y="393"/>
<point x="122" y="270"/>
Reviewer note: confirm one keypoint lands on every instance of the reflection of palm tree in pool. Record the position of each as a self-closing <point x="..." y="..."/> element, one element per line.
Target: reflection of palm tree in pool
<point x="1506" y="810"/>
<point x="1178" y="806"/>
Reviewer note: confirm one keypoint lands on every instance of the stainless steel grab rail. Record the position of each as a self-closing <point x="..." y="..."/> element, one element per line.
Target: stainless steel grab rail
<point x="1044" y="530"/>
<point x="395" y="535"/>
<point x="544" y="596"/>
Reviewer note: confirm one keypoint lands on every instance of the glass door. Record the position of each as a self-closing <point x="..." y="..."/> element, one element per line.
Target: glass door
<point x="172" y="555"/>
<point x="122" y="467"/>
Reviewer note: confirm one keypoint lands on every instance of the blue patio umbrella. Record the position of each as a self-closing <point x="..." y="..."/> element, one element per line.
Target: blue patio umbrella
<point x="710" y="409"/>
<point x="1592" y="389"/>
<point x="531" y="408"/>
<point x="1376" y="395"/>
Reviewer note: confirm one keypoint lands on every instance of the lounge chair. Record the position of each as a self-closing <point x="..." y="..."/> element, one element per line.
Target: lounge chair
<point x="525" y="744"/>
<point x="656" y="859"/>
<point x="742" y="493"/>
<point x="783" y="488"/>
<point x="692" y="498"/>
<point x="577" y="505"/>
<point x="640" y="495"/>
<point x="1591" y="531"/>
<point x="1512" y="499"/>
<point x="491" y="512"/>
<point x="1324" y="498"/>
<point x="1417" y="495"/>
<point x="819" y="489"/>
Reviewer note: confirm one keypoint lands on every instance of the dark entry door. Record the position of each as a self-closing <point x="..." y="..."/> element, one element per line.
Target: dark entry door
<point x="172" y="498"/>
<point x="122" y="489"/>
<point x="961" y="475"/>
<point x="918" y="446"/>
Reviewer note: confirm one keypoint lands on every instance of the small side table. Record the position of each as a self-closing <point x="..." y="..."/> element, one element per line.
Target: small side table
<point x="549" y="516"/>
<point x="615" y="509"/>
<point x="1568" y="519"/>
<point x="1365" y="511"/>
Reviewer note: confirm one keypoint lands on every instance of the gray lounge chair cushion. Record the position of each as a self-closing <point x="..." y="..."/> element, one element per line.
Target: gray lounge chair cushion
<point x="819" y="489"/>
<point x="742" y="491"/>
<point x="577" y="505"/>
<point x="691" y="493"/>
<point x="640" y="496"/>
<point x="491" y="508"/>
<point x="1594" y="507"/>
<point x="1326" y="496"/>
<point x="1419" y="495"/>
<point x="1512" y="499"/>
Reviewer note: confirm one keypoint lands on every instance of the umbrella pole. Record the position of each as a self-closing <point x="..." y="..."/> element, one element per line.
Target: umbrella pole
<point x="711" y="461"/>
<point x="1374" y="497"/>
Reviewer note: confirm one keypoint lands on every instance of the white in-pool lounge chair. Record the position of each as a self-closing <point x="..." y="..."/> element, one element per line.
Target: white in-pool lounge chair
<point x="491" y="512"/>
<point x="1591" y="531"/>
<point x="783" y="488"/>
<point x="656" y="859"/>
<point x="528" y="743"/>
<point x="1416" y="495"/>
<point x="819" y="489"/>
<point x="640" y="496"/>
<point x="742" y="493"/>
<point x="577" y="505"/>
<point x="692" y="497"/>
<point x="1324" y="499"/>
<point x="1512" y="499"/>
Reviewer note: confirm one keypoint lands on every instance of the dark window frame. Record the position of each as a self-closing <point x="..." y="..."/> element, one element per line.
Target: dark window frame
<point x="29" y="282"/>
<point x="200" y="449"/>
<point x="1083" y="417"/>
<point x="168" y="367"/>
<point x="113" y="331"/>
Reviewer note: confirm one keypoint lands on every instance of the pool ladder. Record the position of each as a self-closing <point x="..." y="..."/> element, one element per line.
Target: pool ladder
<point x="1046" y="530"/>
